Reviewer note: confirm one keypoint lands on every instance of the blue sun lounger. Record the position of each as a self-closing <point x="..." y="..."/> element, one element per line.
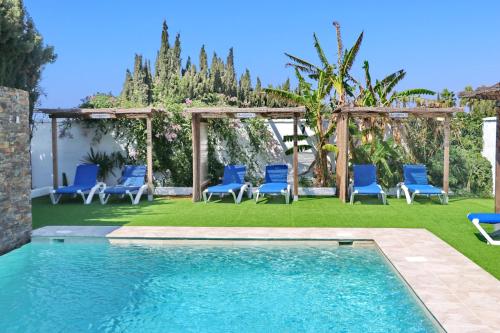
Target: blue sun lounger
<point x="416" y="183"/>
<point x="131" y="183"/>
<point x="365" y="182"/>
<point x="85" y="182"/>
<point x="487" y="218"/>
<point x="275" y="182"/>
<point x="233" y="181"/>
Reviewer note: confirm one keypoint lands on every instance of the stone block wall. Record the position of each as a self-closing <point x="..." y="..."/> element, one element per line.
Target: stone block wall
<point x="15" y="171"/>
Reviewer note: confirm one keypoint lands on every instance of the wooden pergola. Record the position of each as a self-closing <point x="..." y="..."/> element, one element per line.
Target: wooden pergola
<point x="199" y="117"/>
<point x="392" y="112"/>
<point x="493" y="94"/>
<point x="108" y="113"/>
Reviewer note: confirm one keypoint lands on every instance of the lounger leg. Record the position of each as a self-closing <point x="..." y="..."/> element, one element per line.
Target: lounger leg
<point x="484" y="233"/>
<point x="103" y="198"/>
<point x="384" y="198"/>
<point x="97" y="188"/>
<point x="351" y="201"/>
<point x="257" y="196"/>
<point x="240" y="194"/>
<point x="83" y="197"/>
<point x="413" y="196"/>
<point x="250" y="191"/>
<point x="234" y="196"/>
<point x="205" y="196"/>
<point x="55" y="198"/>
<point x="407" y="194"/>
<point x="139" y="194"/>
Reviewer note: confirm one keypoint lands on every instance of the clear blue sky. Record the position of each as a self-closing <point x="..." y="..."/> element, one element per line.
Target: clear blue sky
<point x="439" y="43"/>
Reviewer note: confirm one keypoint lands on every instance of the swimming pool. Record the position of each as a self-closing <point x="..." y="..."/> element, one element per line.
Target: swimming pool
<point x="102" y="286"/>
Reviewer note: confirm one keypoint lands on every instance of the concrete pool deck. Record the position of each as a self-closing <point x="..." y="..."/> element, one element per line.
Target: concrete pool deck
<point x="461" y="295"/>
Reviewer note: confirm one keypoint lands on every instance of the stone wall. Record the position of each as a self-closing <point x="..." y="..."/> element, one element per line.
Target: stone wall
<point x="15" y="171"/>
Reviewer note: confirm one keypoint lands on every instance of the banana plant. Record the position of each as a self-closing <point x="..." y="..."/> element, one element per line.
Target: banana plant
<point x="314" y="100"/>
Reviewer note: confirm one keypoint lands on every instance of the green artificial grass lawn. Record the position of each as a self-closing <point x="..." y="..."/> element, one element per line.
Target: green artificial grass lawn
<point x="448" y="222"/>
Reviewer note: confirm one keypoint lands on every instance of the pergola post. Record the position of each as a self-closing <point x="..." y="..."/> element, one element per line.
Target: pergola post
<point x="497" y="160"/>
<point x="342" y="157"/>
<point x="55" y="167"/>
<point x="446" y="162"/>
<point x="295" y="158"/>
<point x="195" y="126"/>
<point x="149" y="153"/>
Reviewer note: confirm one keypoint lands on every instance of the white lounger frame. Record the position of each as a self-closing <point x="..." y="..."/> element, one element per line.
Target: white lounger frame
<point x="247" y="187"/>
<point x="54" y="197"/>
<point x="410" y="197"/>
<point x="382" y="195"/>
<point x="486" y="235"/>
<point x="287" y="193"/>
<point x="104" y="197"/>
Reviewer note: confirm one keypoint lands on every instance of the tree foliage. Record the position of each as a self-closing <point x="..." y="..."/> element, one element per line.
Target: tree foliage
<point x="23" y="53"/>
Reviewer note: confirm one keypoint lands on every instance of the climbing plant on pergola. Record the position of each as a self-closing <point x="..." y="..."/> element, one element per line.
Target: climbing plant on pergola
<point x="199" y="137"/>
<point x="347" y="112"/>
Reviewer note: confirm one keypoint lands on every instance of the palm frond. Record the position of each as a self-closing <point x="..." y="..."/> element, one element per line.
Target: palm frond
<point x="289" y="138"/>
<point x="286" y="95"/>
<point x="301" y="148"/>
<point x="350" y="55"/>
<point x="321" y="54"/>
<point x="301" y="62"/>
<point x="416" y="91"/>
<point x="329" y="147"/>
<point x="399" y="75"/>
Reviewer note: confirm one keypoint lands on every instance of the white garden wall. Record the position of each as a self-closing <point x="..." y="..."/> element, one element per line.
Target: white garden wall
<point x="71" y="149"/>
<point x="489" y="143"/>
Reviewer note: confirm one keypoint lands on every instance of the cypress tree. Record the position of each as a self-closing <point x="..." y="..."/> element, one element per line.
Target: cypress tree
<point x="245" y="89"/>
<point x="160" y="80"/>
<point x="286" y="85"/>
<point x="216" y="75"/>
<point x="171" y="88"/>
<point x="229" y="79"/>
<point x="203" y="60"/>
<point x="127" y="90"/>
<point x="202" y="84"/>
<point x="257" y="94"/>
<point x="188" y="65"/>
<point x="141" y="90"/>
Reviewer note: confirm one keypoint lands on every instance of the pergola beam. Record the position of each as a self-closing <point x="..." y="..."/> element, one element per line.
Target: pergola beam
<point x="421" y="111"/>
<point x="55" y="166"/>
<point x="497" y="159"/>
<point x="195" y="128"/>
<point x="295" y="158"/>
<point x="107" y="113"/>
<point x="342" y="171"/>
<point x="446" y="162"/>
<point x="149" y="157"/>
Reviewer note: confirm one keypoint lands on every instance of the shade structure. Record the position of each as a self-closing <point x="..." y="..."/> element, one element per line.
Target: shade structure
<point x="347" y="112"/>
<point x="491" y="93"/>
<point x="103" y="113"/>
<point x="199" y="117"/>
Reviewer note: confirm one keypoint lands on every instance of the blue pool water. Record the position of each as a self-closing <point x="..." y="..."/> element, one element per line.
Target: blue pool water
<point x="100" y="287"/>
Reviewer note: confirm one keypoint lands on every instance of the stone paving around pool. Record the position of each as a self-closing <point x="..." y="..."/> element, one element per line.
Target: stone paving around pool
<point x="461" y="295"/>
